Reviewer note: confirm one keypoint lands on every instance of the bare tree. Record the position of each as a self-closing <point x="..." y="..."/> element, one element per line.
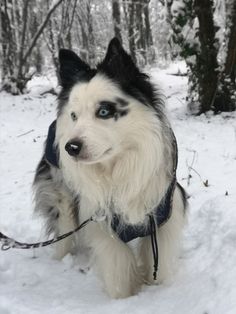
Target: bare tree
<point x="16" y="45"/>
<point x="85" y="31"/>
<point x="59" y="31"/>
<point x="139" y="30"/>
<point x="116" y="16"/>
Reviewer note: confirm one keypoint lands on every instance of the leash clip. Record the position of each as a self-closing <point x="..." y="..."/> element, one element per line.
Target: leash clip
<point x="99" y="216"/>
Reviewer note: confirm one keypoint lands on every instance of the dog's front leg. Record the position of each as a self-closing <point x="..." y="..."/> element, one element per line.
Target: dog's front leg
<point x="114" y="262"/>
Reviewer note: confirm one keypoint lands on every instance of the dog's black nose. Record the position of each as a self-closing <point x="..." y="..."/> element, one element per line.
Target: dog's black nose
<point x="73" y="147"/>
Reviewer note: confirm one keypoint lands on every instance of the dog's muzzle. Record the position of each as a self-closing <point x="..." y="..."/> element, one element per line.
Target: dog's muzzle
<point x="74" y="147"/>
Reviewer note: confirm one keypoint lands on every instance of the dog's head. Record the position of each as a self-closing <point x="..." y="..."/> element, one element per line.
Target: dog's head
<point x="105" y="110"/>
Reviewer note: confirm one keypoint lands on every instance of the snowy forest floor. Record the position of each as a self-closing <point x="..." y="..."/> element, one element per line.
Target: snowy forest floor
<point x="32" y="282"/>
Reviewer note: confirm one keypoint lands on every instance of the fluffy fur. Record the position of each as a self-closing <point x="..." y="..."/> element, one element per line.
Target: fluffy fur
<point x="124" y="166"/>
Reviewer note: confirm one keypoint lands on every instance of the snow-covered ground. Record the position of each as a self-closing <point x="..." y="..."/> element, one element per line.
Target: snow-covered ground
<point x="32" y="282"/>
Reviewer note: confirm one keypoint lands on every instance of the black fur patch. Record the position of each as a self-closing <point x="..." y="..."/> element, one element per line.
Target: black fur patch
<point x="122" y="102"/>
<point x="121" y="113"/>
<point x="118" y="66"/>
<point x="72" y="71"/>
<point x="43" y="169"/>
<point x="114" y="109"/>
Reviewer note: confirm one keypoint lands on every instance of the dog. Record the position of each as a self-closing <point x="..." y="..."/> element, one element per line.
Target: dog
<point x="111" y="150"/>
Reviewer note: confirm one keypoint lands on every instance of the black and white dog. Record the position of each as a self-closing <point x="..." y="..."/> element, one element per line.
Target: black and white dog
<point x="112" y="151"/>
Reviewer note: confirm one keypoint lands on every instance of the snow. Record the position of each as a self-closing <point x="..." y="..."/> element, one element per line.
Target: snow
<point x="32" y="282"/>
<point x="178" y="7"/>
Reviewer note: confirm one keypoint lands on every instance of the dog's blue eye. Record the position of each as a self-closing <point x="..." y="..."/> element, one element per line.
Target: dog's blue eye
<point x="73" y="116"/>
<point x="103" y="112"/>
<point x="107" y="110"/>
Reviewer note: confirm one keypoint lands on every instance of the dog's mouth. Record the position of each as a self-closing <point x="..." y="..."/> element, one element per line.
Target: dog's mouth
<point x="80" y="152"/>
<point x="87" y="158"/>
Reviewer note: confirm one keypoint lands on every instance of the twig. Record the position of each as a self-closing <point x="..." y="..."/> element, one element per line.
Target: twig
<point x="173" y="94"/>
<point x="180" y="101"/>
<point x="25" y="133"/>
<point x="178" y="74"/>
<point x="50" y="91"/>
<point x="190" y="168"/>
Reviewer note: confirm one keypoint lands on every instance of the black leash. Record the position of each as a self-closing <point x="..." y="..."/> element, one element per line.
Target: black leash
<point x="9" y="243"/>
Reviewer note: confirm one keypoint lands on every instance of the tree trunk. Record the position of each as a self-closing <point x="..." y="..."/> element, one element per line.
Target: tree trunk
<point x="230" y="64"/>
<point x="140" y="36"/>
<point x="8" y="46"/>
<point x="59" y="30"/>
<point x="209" y="88"/>
<point x="91" y="46"/>
<point x="226" y="95"/>
<point x="148" y="31"/>
<point x="116" y="19"/>
<point x="148" y="34"/>
<point x="207" y="65"/>
<point x="139" y="30"/>
<point x="132" y="29"/>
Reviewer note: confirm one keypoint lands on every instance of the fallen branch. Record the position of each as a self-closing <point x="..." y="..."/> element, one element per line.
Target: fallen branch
<point x="49" y="91"/>
<point x="30" y="131"/>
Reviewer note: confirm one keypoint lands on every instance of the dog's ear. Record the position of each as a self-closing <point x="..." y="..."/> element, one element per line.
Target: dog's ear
<point x="71" y="69"/>
<point x="114" y="50"/>
<point x="117" y="62"/>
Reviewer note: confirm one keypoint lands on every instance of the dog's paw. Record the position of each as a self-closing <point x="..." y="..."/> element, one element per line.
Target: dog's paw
<point x="125" y="288"/>
<point x="62" y="248"/>
<point x="118" y="269"/>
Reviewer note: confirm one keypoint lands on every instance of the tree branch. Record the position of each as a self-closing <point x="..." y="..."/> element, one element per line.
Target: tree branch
<point x="41" y="28"/>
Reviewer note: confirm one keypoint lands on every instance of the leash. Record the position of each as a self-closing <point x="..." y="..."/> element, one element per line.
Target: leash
<point x="10" y="243"/>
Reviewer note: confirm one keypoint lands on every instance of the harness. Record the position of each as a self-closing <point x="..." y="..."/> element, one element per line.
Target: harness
<point x="126" y="232"/>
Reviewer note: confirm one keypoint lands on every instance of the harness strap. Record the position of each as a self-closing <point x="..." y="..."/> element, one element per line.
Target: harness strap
<point x="161" y="214"/>
<point x="154" y="246"/>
